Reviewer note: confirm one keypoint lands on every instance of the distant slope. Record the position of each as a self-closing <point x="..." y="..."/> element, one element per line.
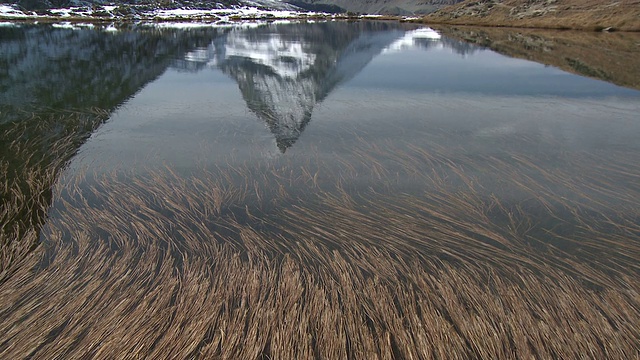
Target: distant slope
<point x="191" y="4"/>
<point x="552" y="14"/>
<point x="388" y="7"/>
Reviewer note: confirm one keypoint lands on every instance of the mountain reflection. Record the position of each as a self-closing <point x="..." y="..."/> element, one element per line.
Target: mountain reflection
<point x="283" y="71"/>
<point x="44" y="67"/>
<point x="57" y="86"/>
<point x="427" y="38"/>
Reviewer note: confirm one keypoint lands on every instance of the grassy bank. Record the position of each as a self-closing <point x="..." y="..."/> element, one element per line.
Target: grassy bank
<point x="591" y="15"/>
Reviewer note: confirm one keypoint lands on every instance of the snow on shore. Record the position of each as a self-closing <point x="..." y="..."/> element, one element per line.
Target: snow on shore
<point x="253" y="11"/>
<point x="133" y="12"/>
<point x="11" y="11"/>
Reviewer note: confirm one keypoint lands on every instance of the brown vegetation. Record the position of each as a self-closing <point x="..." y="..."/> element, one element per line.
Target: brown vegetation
<point x="34" y="150"/>
<point x="420" y="259"/>
<point x="596" y="15"/>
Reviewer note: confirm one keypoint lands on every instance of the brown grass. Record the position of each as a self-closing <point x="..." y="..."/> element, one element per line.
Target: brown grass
<point x="623" y="15"/>
<point x="420" y="259"/>
<point x="29" y="168"/>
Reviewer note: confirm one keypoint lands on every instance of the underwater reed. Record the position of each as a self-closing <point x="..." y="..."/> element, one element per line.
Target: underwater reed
<point x="421" y="259"/>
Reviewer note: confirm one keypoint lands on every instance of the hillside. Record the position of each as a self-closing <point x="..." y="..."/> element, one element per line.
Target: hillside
<point x="387" y="7"/>
<point x="552" y="14"/>
<point x="165" y="4"/>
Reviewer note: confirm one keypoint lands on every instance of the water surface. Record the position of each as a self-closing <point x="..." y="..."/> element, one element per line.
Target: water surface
<point x="325" y="95"/>
<point x="375" y="181"/>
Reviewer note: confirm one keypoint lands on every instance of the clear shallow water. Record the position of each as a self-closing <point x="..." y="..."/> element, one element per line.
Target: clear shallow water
<point x="348" y="105"/>
<point x="290" y="90"/>
<point x="326" y="190"/>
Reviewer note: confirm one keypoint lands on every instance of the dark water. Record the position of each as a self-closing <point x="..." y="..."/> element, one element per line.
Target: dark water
<point x="331" y="96"/>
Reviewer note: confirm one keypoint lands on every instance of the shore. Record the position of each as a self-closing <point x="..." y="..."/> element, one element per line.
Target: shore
<point x="584" y="15"/>
<point x="144" y="13"/>
<point x="589" y="15"/>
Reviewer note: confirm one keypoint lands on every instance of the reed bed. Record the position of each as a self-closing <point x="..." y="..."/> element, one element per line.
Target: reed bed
<point x="393" y="251"/>
<point x="34" y="150"/>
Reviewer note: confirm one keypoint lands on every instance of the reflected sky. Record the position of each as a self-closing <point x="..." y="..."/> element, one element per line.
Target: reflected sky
<point x="451" y="66"/>
<point x="319" y="95"/>
<point x="258" y="93"/>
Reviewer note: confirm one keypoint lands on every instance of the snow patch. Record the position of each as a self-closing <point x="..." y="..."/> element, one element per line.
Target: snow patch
<point x="12" y="11"/>
<point x="279" y="11"/>
<point x="73" y="11"/>
<point x="225" y="14"/>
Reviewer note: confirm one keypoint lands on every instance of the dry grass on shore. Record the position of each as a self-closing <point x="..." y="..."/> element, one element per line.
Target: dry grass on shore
<point x="290" y="261"/>
<point x="591" y="15"/>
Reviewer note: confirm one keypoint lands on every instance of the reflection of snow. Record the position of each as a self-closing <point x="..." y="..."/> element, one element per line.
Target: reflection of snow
<point x="200" y="55"/>
<point x="65" y="25"/>
<point x="410" y="39"/>
<point x="282" y="74"/>
<point x="286" y="58"/>
<point x="68" y="25"/>
<point x="284" y="104"/>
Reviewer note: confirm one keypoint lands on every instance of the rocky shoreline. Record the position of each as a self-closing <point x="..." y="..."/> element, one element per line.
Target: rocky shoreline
<point x="134" y="13"/>
<point x="145" y="14"/>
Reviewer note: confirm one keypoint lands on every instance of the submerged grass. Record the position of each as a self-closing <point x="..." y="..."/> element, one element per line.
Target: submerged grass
<point x="34" y="150"/>
<point x="422" y="259"/>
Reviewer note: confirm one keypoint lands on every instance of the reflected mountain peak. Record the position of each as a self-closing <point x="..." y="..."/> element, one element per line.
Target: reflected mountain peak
<point x="283" y="71"/>
<point x="285" y="57"/>
<point x="284" y="104"/>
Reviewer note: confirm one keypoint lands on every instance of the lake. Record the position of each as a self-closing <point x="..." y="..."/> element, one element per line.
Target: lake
<point x="318" y="190"/>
